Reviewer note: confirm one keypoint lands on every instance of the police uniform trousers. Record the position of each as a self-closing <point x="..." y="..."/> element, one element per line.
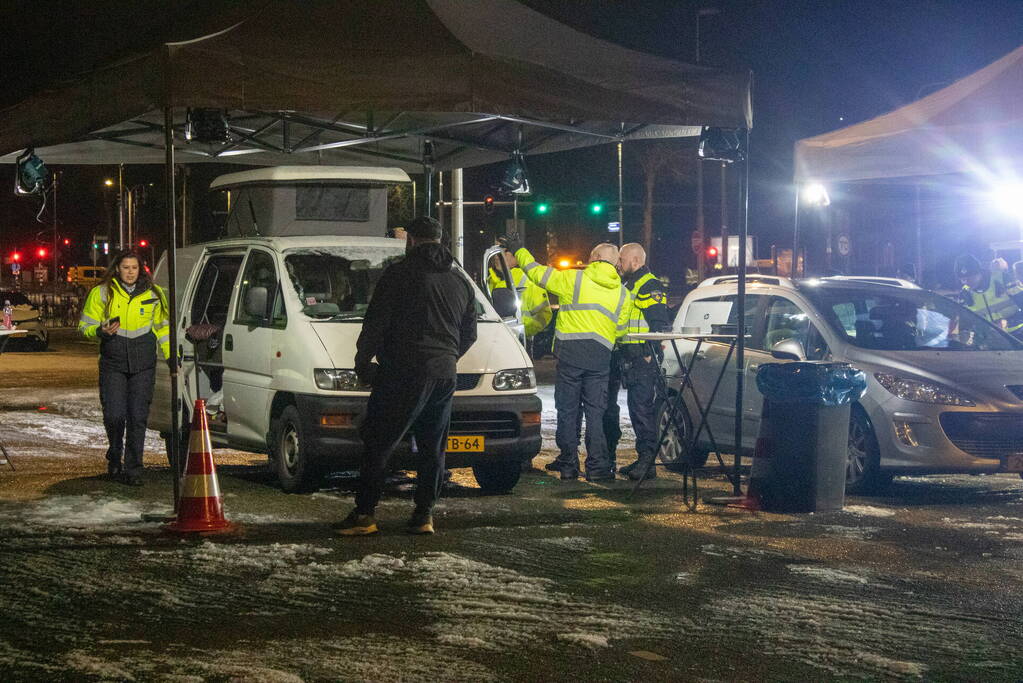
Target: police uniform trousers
<point x="125" y="398"/>
<point x="399" y="403"/>
<point x="578" y="390"/>
<point x="638" y="374"/>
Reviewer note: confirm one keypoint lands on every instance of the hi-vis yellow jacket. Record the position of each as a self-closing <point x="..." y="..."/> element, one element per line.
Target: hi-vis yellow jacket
<point x="536" y="306"/>
<point x="593" y="304"/>
<point x="649" y="310"/>
<point x="144" y="325"/>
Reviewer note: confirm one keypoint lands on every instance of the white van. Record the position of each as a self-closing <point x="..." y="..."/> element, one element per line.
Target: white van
<point x="284" y="294"/>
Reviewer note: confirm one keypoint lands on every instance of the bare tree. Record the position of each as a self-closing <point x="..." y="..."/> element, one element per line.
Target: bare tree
<point x="656" y="158"/>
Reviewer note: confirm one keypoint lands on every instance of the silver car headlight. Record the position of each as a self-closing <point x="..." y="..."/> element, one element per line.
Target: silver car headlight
<point x="921" y="391"/>
<point x="335" y="379"/>
<point x="519" y="378"/>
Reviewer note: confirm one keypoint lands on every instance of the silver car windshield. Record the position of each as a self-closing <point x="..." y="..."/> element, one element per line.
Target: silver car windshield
<point x="889" y="319"/>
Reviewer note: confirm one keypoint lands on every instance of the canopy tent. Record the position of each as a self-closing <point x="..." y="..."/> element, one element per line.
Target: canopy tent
<point x="974" y="126"/>
<point x="345" y="82"/>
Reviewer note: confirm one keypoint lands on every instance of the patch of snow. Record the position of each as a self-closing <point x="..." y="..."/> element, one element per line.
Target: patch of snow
<point x="79" y="512"/>
<point x="827" y="574"/>
<point x="859" y="533"/>
<point x="588" y="640"/>
<point x="894" y="665"/>
<point x="579" y="543"/>
<point x="736" y="552"/>
<point x="869" y="511"/>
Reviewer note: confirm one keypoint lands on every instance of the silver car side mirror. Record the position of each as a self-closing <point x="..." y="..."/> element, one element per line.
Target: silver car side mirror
<point x="788" y="349"/>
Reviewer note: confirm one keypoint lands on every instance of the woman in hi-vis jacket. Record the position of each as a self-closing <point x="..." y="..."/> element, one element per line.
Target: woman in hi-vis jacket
<point x="129" y="315"/>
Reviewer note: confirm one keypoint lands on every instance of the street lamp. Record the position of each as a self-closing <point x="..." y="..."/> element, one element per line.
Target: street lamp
<point x="815" y="194"/>
<point x="1007" y="197"/>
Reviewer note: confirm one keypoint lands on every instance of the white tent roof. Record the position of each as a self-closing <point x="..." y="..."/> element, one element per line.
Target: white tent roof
<point x="973" y="126"/>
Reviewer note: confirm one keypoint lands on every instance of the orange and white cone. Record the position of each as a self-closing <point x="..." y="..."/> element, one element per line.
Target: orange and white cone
<point x="200" y="505"/>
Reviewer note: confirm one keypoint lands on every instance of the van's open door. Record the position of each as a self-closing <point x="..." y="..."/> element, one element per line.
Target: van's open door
<point x="504" y="297"/>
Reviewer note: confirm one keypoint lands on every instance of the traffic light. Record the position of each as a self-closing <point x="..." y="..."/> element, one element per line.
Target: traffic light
<point x="488" y="204"/>
<point x="596" y="208"/>
<point x="67" y="242"/>
<point x="712" y="253"/>
<point x="95" y="245"/>
<point x="16" y="256"/>
<point x="143" y="243"/>
<point x="542" y="208"/>
<point x="41" y="252"/>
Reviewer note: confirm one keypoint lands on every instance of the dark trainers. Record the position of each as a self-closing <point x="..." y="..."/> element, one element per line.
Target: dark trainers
<point x="600" y="476"/>
<point x="569" y="473"/>
<point x="628" y="468"/>
<point x="113" y="469"/>
<point x="637" y="472"/>
<point x="357" y="525"/>
<point x="420" y="523"/>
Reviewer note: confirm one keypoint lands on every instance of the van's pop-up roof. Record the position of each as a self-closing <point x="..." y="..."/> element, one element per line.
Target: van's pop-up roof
<point x="309" y="200"/>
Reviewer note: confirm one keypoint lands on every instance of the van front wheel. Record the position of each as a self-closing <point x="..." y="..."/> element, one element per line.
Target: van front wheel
<point x="497" y="476"/>
<point x="296" y="470"/>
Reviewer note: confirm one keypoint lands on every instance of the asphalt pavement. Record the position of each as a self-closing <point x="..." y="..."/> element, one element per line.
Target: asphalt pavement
<point x="555" y="581"/>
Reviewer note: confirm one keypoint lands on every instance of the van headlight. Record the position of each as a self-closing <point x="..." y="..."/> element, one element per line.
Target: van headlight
<point x="921" y="391"/>
<point x="519" y="378"/>
<point x="334" y="379"/>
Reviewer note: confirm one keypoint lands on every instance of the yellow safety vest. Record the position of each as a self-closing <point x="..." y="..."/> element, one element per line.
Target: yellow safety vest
<point x="593" y="303"/>
<point x="637" y="322"/>
<point x="994" y="303"/>
<point x="141" y="314"/>
<point x="536" y="306"/>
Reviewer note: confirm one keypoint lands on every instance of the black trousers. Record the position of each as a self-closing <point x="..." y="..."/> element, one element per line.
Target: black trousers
<point x="638" y="374"/>
<point x="397" y="404"/>
<point x="577" y="390"/>
<point x="125" y="398"/>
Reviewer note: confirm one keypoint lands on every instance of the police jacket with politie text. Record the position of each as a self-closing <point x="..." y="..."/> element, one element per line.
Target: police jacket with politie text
<point x="144" y="324"/>
<point x="422" y="317"/>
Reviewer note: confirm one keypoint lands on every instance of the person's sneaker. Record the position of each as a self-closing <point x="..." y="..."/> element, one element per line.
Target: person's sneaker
<point x="133" y="479"/>
<point x="600" y="476"/>
<point x="357" y="525"/>
<point x="113" y="469"/>
<point x="420" y="523"/>
<point x="569" y="473"/>
<point x="553" y="466"/>
<point x="637" y="473"/>
<point x="628" y="468"/>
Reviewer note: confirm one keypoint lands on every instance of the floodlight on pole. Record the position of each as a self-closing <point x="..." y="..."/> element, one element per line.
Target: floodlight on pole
<point x="1007" y="198"/>
<point x="815" y="194"/>
<point x="108" y="182"/>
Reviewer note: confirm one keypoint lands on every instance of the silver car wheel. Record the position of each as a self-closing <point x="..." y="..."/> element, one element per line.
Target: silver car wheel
<point x="290" y="448"/>
<point x="856" y="464"/>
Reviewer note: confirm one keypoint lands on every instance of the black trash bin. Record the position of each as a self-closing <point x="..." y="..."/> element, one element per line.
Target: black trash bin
<point x="802" y="449"/>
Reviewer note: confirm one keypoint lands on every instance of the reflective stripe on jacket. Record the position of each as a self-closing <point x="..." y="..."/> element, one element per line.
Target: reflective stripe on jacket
<point x="642" y="302"/>
<point x="144" y="324"/>
<point x="994" y="303"/>
<point x="593" y="303"/>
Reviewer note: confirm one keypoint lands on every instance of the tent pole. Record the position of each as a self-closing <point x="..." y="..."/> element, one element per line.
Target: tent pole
<point x="740" y="343"/>
<point x="172" y="273"/>
<point x="794" y="269"/>
<point x="457" y="215"/>
<point x="919" y="241"/>
<point x="724" y="218"/>
<point x="440" y="198"/>
<point x="621" y="201"/>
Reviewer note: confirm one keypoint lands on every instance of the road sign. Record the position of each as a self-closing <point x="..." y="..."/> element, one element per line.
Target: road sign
<point x="614" y="226"/>
<point x="843" y="245"/>
<point x="697" y="242"/>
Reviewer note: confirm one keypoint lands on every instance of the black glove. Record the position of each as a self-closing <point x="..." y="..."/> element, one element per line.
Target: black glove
<point x="512" y="242"/>
<point x="172" y="365"/>
<point x="367" y="373"/>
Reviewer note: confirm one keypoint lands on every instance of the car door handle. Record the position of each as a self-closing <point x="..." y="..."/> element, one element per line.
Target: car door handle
<point x="229" y="343"/>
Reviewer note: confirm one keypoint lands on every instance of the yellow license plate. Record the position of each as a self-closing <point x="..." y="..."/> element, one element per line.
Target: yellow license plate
<point x="465" y="444"/>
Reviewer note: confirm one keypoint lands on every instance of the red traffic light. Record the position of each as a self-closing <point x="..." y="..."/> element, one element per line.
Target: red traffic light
<point x="67" y="242"/>
<point x="712" y="252"/>
<point x="41" y="252"/>
<point x="16" y="256"/>
<point x="143" y="243"/>
<point x="488" y="203"/>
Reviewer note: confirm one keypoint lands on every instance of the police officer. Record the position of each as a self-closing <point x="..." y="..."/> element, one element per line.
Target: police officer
<point x="635" y="363"/>
<point x="536" y="306"/>
<point x="130" y="316"/>
<point x="989" y="293"/>
<point x="594" y="310"/>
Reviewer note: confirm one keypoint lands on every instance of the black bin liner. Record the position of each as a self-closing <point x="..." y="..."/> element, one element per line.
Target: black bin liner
<point x="802" y="448"/>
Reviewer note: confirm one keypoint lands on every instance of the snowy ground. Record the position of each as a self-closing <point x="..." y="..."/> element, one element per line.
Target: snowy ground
<point x="556" y="581"/>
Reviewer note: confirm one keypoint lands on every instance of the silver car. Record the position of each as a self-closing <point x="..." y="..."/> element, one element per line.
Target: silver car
<point x="944" y="387"/>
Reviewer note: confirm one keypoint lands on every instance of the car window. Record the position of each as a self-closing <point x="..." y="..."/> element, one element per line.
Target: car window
<point x="905" y="320"/>
<point x="786" y="320"/>
<point x="717" y="310"/>
<point x="213" y="292"/>
<point x="260" y="274"/>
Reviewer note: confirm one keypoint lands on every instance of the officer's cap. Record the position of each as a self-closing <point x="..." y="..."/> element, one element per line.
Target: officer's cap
<point x="966" y="265"/>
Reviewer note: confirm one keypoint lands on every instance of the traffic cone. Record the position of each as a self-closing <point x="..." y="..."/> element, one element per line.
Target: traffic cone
<point x="200" y="505"/>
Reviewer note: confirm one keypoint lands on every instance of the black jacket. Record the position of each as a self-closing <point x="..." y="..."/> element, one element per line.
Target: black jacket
<point x="422" y="317"/>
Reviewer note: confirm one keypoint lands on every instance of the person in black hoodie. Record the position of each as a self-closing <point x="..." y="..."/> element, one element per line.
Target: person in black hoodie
<point x="420" y="321"/>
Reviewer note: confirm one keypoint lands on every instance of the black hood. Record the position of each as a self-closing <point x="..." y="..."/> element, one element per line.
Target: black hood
<point x="431" y="257"/>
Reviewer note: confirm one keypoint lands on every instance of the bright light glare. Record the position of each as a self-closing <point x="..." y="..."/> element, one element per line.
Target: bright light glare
<point x="816" y="195"/>
<point x="1008" y="198"/>
<point x="564" y="263"/>
<point x="108" y="182"/>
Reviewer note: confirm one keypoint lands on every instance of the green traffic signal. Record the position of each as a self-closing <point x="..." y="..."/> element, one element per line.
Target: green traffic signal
<point x="596" y="208"/>
<point x="542" y="208"/>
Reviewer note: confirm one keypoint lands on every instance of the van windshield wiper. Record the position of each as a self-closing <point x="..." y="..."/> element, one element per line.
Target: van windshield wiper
<point x="347" y="316"/>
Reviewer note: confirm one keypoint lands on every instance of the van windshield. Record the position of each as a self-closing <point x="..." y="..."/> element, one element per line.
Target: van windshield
<point x="336" y="283"/>
<point x="890" y="319"/>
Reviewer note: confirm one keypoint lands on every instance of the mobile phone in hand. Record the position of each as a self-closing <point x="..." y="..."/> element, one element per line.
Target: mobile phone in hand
<point x="115" y="319"/>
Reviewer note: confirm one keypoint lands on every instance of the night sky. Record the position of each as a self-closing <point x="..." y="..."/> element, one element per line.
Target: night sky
<point x="818" y="65"/>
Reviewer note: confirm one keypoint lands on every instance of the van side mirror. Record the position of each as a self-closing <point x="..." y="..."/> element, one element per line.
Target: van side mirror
<point x="255" y="302"/>
<point x="504" y="302"/>
<point x="788" y="349"/>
